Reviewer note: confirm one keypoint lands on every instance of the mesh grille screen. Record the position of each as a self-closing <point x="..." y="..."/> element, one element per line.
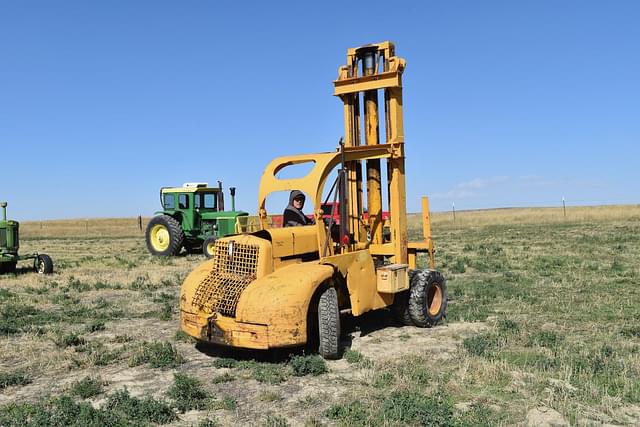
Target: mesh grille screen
<point x="234" y="267"/>
<point x="3" y="237"/>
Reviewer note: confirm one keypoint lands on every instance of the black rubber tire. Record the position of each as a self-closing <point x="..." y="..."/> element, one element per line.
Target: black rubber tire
<point x="428" y="298"/>
<point x="44" y="264"/>
<point x="400" y="306"/>
<point x="176" y="235"/>
<point x="205" y="246"/>
<point x="8" y="267"/>
<point x="329" y="324"/>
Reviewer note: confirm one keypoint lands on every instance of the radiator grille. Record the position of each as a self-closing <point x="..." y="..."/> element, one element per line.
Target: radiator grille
<point x="3" y="237"/>
<point x="234" y="267"/>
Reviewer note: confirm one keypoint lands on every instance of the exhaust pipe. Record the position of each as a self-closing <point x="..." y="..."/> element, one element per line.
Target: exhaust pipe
<point x="220" y="197"/>
<point x="3" y="205"/>
<point x="232" y="190"/>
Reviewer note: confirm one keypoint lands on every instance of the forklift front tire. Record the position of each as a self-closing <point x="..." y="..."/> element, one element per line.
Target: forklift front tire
<point x="329" y="324"/>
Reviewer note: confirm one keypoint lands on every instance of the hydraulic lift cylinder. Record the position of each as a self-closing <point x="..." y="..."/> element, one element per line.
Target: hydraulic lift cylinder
<point x="372" y="137"/>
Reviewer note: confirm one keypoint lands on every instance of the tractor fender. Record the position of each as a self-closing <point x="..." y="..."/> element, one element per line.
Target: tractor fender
<point x="281" y="301"/>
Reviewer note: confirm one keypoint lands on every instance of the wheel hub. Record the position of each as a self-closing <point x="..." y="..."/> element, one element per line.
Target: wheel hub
<point x="434" y="300"/>
<point x="160" y="238"/>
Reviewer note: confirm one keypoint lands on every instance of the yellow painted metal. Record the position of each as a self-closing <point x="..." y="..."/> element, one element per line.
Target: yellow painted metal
<point x="314" y="182"/>
<point x="292" y="241"/>
<point x="224" y="330"/>
<point x="385" y="80"/>
<point x="392" y="278"/>
<point x="360" y="273"/>
<point x="159" y="237"/>
<point x="249" y="224"/>
<point x="282" y="299"/>
<point x="271" y="311"/>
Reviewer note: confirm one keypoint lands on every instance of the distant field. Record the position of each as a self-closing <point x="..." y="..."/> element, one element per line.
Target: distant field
<point x="543" y="327"/>
<point x="130" y="227"/>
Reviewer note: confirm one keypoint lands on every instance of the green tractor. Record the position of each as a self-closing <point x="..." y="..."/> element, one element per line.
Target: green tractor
<point x="193" y="217"/>
<point x="10" y="243"/>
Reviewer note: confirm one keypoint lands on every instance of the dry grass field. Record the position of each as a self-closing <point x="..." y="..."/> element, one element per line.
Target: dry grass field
<point x="543" y="329"/>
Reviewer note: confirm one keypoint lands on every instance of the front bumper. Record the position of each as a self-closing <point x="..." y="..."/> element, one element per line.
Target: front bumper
<point x="223" y="330"/>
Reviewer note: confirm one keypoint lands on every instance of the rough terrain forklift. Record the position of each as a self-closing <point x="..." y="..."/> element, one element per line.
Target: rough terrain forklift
<point x="10" y="243"/>
<point x="283" y="287"/>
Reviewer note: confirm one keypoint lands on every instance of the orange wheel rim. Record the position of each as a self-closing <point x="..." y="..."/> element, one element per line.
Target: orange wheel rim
<point x="434" y="300"/>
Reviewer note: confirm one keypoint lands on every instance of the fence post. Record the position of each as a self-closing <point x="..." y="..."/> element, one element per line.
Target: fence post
<point x="140" y="222"/>
<point x="453" y="207"/>
<point x="564" y="208"/>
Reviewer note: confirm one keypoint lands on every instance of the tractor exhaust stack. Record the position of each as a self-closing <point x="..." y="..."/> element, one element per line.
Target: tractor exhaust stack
<point x="220" y="197"/>
<point x="232" y="190"/>
<point x="3" y="205"/>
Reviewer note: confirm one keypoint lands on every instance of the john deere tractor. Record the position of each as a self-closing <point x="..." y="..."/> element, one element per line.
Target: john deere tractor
<point x="282" y="287"/>
<point x="192" y="217"/>
<point x="10" y="243"/>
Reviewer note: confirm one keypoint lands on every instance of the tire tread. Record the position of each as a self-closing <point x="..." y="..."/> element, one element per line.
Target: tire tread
<point x="329" y="324"/>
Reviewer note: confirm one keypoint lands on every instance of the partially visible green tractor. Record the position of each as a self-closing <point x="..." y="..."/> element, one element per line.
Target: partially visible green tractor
<point x="10" y="243"/>
<point x="193" y="217"/>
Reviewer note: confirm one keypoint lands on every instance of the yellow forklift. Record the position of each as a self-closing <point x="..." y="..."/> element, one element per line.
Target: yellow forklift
<point x="288" y="286"/>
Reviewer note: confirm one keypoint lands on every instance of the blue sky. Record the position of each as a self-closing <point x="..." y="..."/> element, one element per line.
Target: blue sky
<point x="506" y="103"/>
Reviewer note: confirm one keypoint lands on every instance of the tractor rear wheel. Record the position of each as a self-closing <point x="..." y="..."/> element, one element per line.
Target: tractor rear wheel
<point x="329" y="324"/>
<point x="428" y="298"/>
<point x="209" y="246"/>
<point x="44" y="264"/>
<point x="164" y="236"/>
<point x="400" y="307"/>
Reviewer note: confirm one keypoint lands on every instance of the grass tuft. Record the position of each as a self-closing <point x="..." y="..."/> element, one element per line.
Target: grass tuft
<point x="353" y="356"/>
<point x="87" y="387"/>
<point x="308" y="365"/>
<point x="161" y="355"/>
<point x="8" y="379"/>
<point x="187" y="393"/>
<point x="139" y="410"/>
<point x="483" y="345"/>
<point x="353" y="413"/>
<point x="273" y="420"/>
<point x="410" y="407"/>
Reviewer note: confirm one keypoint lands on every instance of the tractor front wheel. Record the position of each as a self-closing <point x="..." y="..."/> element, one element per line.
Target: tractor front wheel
<point x="164" y="236"/>
<point x="428" y="298"/>
<point x="329" y="324"/>
<point x="44" y="264"/>
<point x="209" y="246"/>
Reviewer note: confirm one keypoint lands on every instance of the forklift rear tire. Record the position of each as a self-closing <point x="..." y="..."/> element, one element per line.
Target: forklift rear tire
<point x="428" y="298"/>
<point x="208" y="247"/>
<point x="164" y="236"/>
<point x="44" y="264"/>
<point x="329" y="324"/>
